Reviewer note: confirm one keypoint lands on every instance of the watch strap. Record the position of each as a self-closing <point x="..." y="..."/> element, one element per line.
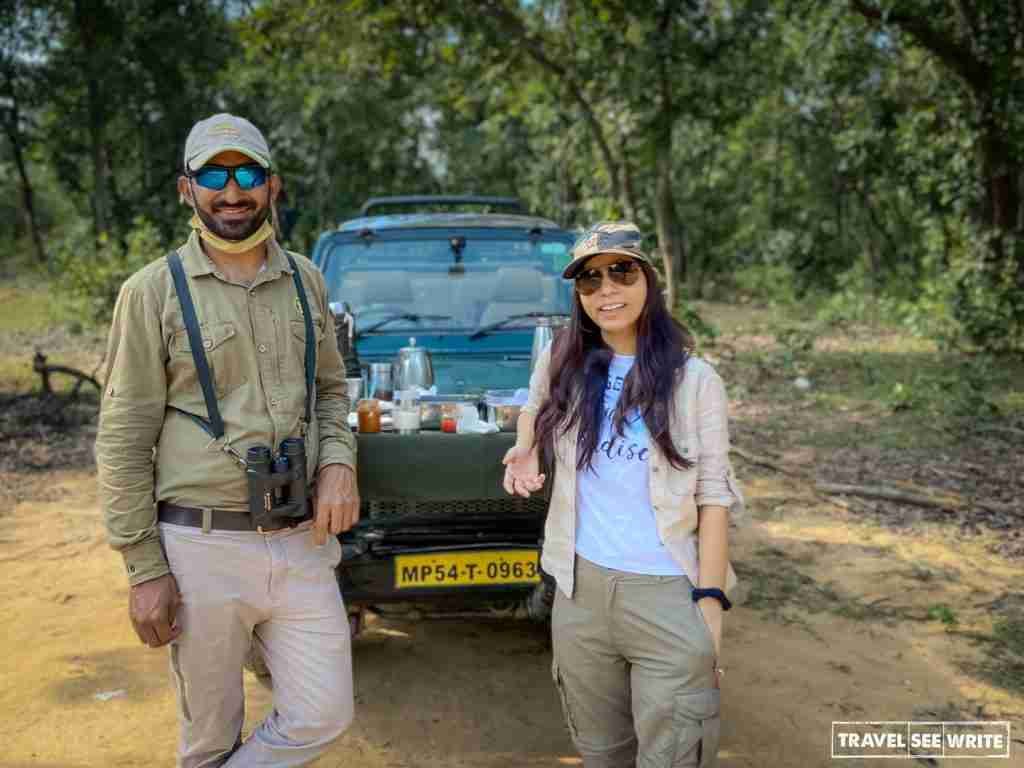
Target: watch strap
<point x="702" y="592"/>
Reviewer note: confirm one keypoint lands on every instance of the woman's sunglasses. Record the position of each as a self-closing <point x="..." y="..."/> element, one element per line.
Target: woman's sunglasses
<point x="216" y="177"/>
<point x="620" y="273"/>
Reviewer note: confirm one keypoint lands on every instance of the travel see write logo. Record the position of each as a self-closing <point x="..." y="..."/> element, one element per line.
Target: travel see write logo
<point x="912" y="739"/>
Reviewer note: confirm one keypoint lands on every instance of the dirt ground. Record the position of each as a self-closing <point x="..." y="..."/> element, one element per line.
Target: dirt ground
<point x="848" y="611"/>
<point x="478" y="693"/>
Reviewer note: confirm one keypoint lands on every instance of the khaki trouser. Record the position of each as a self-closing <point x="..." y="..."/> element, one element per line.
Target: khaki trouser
<point x="634" y="666"/>
<point x="278" y="591"/>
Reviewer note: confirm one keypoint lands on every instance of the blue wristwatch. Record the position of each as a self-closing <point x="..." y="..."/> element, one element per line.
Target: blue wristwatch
<point x="714" y="592"/>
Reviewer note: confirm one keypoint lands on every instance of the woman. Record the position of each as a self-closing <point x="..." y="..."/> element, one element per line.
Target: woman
<point x="642" y="499"/>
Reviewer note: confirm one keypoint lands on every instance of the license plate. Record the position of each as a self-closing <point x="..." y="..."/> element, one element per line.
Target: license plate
<point x="467" y="569"/>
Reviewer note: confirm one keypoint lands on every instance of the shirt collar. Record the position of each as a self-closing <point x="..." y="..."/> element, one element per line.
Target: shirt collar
<point x="197" y="263"/>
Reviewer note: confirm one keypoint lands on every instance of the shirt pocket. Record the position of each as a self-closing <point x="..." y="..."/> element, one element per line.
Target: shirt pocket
<point x="222" y="347"/>
<point x="682" y="483"/>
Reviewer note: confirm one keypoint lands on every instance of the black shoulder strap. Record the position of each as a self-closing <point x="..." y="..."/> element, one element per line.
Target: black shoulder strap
<point x="215" y="426"/>
<point x="307" y="318"/>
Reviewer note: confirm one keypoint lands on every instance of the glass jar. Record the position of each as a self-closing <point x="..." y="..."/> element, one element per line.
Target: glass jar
<point x="368" y="412"/>
<point x="407" y="420"/>
<point x="449" y="417"/>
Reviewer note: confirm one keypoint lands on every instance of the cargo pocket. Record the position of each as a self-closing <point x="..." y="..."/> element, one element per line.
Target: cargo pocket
<point x="563" y="696"/>
<point x="697" y="725"/>
<point x="179" y="683"/>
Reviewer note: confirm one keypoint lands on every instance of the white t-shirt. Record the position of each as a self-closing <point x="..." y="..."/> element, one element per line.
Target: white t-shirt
<point x="615" y="525"/>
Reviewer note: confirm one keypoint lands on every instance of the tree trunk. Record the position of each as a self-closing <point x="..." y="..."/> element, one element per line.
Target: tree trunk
<point x="87" y="17"/>
<point x="1002" y="179"/>
<point x="27" y="197"/>
<point x="629" y="188"/>
<point x="667" y="225"/>
<point x="665" y="216"/>
<point x="320" y="175"/>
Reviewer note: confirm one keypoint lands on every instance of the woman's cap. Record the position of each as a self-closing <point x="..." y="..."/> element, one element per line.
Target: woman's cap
<point x="221" y="133"/>
<point x="606" y="237"/>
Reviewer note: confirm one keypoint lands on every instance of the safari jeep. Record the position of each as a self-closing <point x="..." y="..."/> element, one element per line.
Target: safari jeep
<point x="437" y="531"/>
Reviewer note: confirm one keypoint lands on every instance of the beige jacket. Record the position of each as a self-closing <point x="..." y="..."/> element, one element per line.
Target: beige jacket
<point x="700" y="430"/>
<point x="254" y="339"/>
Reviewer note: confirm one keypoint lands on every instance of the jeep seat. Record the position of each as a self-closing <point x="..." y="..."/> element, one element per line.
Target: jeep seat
<point x="515" y="291"/>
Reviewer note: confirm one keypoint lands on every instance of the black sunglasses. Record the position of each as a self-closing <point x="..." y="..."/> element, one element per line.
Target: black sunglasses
<point x="621" y="273"/>
<point x="216" y="177"/>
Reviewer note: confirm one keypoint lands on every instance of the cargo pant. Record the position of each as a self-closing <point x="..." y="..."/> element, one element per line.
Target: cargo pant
<point x="634" y="667"/>
<point x="275" y="590"/>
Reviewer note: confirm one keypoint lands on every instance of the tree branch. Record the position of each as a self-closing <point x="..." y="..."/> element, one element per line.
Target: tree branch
<point x="510" y="22"/>
<point x="922" y="499"/>
<point x="952" y="53"/>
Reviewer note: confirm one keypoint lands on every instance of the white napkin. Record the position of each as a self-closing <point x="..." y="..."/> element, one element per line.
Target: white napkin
<point x="469" y="422"/>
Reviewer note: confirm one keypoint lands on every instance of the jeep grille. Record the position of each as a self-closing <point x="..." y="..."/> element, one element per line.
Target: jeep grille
<point x="534" y="505"/>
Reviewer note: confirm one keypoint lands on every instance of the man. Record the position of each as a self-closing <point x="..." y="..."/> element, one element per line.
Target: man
<point x="207" y="577"/>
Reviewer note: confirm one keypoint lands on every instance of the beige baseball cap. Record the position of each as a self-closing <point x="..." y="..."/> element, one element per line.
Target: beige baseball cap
<point x="606" y="237"/>
<point x="221" y="133"/>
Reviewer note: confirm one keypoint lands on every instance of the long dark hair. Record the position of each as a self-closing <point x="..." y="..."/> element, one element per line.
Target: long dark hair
<point x="579" y="371"/>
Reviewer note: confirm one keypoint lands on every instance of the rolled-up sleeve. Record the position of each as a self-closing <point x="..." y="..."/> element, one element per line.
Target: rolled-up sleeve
<point x="131" y="417"/>
<point x="716" y="481"/>
<point x="337" y="443"/>
<point x="540" y="382"/>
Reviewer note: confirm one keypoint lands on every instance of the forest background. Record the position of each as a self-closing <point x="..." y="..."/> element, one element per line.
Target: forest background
<point x="860" y="158"/>
<point x="834" y="189"/>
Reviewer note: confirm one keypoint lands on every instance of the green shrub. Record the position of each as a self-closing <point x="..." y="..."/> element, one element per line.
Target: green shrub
<point x="90" y="270"/>
<point x="968" y="296"/>
<point x="945" y="614"/>
<point x="704" y="332"/>
<point x="772" y="283"/>
<point x="963" y="392"/>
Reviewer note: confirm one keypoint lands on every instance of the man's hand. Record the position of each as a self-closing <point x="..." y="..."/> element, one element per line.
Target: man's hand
<point x="336" y="506"/>
<point x="153" y="607"/>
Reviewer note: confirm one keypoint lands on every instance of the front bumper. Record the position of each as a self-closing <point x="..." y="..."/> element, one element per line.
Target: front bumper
<point x="367" y="574"/>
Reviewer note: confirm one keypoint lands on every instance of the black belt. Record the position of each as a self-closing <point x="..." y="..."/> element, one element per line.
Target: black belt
<point x="222" y="519"/>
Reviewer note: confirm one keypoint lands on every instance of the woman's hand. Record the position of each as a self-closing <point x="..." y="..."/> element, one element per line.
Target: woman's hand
<point x="522" y="472"/>
<point x="711" y="610"/>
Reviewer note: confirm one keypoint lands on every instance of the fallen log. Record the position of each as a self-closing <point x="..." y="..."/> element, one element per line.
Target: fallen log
<point x="921" y="498"/>
<point x="40" y="366"/>
<point x="762" y="461"/>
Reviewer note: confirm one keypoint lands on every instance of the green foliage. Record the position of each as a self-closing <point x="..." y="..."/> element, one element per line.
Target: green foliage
<point x="769" y="282"/>
<point x="704" y="331"/>
<point x="945" y="614"/>
<point x="963" y="393"/>
<point x="848" y="161"/>
<point x="90" y="271"/>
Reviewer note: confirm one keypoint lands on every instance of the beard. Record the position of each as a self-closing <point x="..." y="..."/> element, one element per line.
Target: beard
<point x="234" y="230"/>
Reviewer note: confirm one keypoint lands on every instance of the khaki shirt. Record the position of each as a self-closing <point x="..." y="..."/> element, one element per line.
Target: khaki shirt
<point x="254" y="339"/>
<point x="700" y="431"/>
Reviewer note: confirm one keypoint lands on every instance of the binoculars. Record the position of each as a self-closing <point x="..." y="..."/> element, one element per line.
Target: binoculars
<point x="277" y="486"/>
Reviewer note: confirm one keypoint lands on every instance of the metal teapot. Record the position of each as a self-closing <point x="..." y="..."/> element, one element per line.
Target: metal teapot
<point x="413" y="367"/>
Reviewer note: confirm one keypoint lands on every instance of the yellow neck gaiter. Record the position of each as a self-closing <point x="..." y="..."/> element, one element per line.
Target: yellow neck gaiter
<point x="262" y="234"/>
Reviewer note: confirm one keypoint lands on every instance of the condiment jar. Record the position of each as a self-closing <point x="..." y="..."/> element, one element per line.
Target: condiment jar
<point x="449" y="417"/>
<point x="368" y="412"/>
